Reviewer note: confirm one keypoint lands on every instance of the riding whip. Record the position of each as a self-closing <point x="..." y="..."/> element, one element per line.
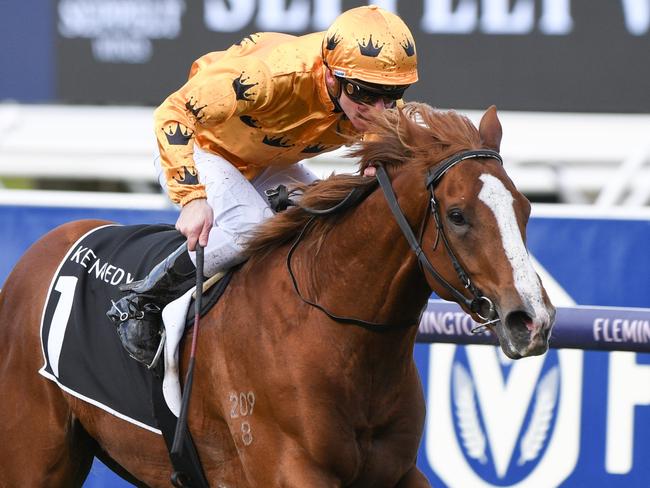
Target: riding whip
<point x="183" y="478"/>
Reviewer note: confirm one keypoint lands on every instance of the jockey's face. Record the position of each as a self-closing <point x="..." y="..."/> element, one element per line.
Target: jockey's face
<point x="356" y="104"/>
<point x="356" y="110"/>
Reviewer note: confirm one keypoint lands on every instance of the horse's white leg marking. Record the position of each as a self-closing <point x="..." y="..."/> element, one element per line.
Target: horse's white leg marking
<point x="495" y="195"/>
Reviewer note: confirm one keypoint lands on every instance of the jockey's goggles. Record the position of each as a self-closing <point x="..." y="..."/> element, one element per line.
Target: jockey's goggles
<point x="370" y="93"/>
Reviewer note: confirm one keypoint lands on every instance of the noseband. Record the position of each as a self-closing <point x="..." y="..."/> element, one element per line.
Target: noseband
<point x="478" y="301"/>
<point x="476" y="304"/>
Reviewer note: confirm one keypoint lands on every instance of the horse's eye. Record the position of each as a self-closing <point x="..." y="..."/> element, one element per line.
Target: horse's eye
<point x="456" y="217"/>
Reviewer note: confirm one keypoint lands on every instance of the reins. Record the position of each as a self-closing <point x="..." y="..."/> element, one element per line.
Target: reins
<point x="433" y="178"/>
<point x="374" y="326"/>
<point x="475" y="304"/>
<point x="185" y="461"/>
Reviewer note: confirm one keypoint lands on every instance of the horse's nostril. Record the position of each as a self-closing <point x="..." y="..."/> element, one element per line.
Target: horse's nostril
<point x="520" y="325"/>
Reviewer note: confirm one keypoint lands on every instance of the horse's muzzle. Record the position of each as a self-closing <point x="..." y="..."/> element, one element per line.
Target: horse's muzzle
<point x="524" y="335"/>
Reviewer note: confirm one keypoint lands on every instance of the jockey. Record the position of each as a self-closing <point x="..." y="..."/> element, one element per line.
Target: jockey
<point x="240" y="126"/>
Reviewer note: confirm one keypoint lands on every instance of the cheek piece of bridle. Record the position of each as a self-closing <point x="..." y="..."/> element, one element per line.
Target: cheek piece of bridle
<point x="479" y="304"/>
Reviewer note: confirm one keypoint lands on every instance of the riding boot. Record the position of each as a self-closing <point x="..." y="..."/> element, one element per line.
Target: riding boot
<point x="138" y="315"/>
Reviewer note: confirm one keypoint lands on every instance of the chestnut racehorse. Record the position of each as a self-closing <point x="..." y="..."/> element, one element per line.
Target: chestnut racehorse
<point x="305" y="374"/>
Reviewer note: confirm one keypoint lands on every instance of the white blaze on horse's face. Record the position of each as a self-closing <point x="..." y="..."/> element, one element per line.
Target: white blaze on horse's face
<point x="498" y="199"/>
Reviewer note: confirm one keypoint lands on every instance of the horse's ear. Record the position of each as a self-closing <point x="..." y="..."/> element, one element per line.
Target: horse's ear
<point x="490" y="129"/>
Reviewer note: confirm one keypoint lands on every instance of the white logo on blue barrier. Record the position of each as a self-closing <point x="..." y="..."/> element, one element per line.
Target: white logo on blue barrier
<point x="496" y="422"/>
<point x="472" y="433"/>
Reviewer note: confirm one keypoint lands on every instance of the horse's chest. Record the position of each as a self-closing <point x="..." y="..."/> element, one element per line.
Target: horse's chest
<point x="384" y="458"/>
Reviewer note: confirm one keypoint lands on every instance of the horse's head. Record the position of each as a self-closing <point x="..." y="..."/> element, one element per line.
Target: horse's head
<point x="474" y="229"/>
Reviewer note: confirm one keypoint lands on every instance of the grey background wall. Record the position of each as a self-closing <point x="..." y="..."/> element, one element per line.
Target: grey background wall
<point x="541" y="55"/>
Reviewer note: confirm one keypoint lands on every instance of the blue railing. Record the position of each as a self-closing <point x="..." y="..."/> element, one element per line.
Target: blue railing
<point x="578" y="327"/>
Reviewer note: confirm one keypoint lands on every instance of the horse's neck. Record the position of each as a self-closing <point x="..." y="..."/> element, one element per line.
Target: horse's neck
<point x="365" y="268"/>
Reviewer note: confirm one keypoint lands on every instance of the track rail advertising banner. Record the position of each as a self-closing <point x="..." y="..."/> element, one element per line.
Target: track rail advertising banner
<point x="570" y="418"/>
<point x="546" y="55"/>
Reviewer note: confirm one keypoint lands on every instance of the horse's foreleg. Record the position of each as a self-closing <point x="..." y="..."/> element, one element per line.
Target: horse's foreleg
<point x="413" y="479"/>
<point x="42" y="443"/>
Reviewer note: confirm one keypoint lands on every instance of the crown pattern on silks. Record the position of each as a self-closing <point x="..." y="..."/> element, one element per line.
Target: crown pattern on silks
<point x="186" y="177"/>
<point x="332" y="42"/>
<point x="370" y="50"/>
<point x="250" y="121"/>
<point x="190" y="105"/>
<point x="245" y="39"/>
<point x="241" y="88"/>
<point x="314" y="148"/>
<point x="276" y="141"/>
<point x="178" y="137"/>
<point x="409" y="47"/>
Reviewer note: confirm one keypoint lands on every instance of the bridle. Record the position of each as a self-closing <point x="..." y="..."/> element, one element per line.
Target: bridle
<point x="477" y="304"/>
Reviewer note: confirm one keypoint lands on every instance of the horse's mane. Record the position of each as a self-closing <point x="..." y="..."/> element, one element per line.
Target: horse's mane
<point x="416" y="135"/>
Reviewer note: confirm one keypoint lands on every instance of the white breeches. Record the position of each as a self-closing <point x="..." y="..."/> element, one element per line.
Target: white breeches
<point x="238" y="205"/>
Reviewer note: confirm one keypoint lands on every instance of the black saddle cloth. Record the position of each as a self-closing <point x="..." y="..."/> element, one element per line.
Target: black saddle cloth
<point x="82" y="351"/>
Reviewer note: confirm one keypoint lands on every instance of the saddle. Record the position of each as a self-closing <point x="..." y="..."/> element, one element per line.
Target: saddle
<point x="81" y="349"/>
<point x="82" y="352"/>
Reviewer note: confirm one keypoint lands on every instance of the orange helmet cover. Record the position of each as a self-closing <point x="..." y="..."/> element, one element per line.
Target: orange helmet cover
<point x="373" y="45"/>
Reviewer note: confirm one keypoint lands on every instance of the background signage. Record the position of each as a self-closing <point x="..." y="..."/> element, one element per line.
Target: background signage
<point x="548" y="55"/>
<point x="554" y="55"/>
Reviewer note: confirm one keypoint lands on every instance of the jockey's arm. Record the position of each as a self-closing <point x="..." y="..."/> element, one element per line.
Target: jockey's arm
<point x="208" y="99"/>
